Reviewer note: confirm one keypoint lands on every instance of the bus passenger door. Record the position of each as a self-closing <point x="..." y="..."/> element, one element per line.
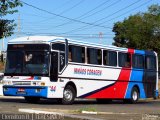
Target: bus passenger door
<point x="54" y="66"/>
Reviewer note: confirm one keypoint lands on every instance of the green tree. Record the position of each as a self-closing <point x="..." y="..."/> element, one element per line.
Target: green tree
<point x="140" y="31"/>
<point x="7" y="7"/>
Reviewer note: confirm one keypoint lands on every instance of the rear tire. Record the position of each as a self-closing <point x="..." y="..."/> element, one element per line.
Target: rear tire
<point x="69" y="95"/>
<point x="134" y="96"/>
<point x="32" y="99"/>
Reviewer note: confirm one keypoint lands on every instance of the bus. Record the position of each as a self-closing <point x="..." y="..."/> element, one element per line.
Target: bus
<point x="64" y="69"/>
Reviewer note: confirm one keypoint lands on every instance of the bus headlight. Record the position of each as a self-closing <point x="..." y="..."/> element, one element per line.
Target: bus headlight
<point x="38" y="83"/>
<point x="42" y="83"/>
<point x="7" y="83"/>
<point x="35" y="83"/>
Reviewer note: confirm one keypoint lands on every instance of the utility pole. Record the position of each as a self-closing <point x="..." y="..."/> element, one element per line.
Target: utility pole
<point x="100" y="37"/>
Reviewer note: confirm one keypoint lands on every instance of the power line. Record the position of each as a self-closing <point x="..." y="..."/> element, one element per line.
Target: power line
<point x="84" y="14"/>
<point x="64" y="4"/>
<point x="127" y="12"/>
<point x="117" y="11"/>
<point x="69" y="35"/>
<point x="89" y="12"/>
<point x="100" y="5"/>
<point x="103" y="9"/>
<point x="66" y="10"/>
<point x="46" y="33"/>
<point x="83" y="27"/>
<point x="34" y="15"/>
<point x="62" y="16"/>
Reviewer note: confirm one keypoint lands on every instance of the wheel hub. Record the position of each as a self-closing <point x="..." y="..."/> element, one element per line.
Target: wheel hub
<point x="68" y="95"/>
<point x="135" y="95"/>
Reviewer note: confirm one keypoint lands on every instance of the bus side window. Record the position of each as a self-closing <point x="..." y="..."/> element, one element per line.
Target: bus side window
<point x="70" y="54"/>
<point x="110" y="58"/>
<point x="76" y="54"/>
<point x="124" y="60"/>
<point x="94" y="56"/>
<point x="150" y="62"/>
<point x="99" y="57"/>
<point x="58" y="46"/>
<point x="138" y="61"/>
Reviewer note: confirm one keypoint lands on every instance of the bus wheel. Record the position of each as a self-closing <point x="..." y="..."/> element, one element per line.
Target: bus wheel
<point x="69" y="95"/>
<point x="134" y="95"/>
<point x="32" y="99"/>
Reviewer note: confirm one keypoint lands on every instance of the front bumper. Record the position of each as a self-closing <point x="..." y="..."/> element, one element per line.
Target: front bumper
<point x="34" y="91"/>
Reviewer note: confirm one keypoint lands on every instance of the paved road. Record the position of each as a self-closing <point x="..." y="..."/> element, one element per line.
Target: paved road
<point x="115" y="110"/>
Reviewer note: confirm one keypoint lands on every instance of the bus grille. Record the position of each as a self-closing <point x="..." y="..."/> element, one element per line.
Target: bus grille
<point x="21" y="83"/>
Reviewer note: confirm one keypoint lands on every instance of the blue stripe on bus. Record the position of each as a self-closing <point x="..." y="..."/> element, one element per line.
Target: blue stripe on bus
<point x="142" y="52"/>
<point x="136" y="75"/>
<point x="29" y="91"/>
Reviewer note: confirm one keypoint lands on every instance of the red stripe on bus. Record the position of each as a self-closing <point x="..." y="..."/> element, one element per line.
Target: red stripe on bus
<point x="131" y="51"/>
<point x="117" y="90"/>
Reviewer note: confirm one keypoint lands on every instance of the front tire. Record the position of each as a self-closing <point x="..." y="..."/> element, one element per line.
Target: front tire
<point x="69" y="95"/>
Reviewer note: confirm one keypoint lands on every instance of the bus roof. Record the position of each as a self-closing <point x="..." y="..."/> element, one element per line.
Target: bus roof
<point x="49" y="39"/>
<point x="34" y="39"/>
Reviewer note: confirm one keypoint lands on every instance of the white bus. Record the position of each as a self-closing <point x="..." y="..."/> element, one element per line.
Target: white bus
<point x="55" y="67"/>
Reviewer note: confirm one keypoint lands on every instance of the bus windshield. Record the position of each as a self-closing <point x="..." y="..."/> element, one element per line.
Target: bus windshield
<point x="27" y="63"/>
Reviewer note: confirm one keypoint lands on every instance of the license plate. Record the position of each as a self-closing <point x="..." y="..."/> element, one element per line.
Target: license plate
<point x="21" y="90"/>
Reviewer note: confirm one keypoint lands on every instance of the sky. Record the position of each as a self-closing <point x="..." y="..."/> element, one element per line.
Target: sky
<point x="83" y="20"/>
